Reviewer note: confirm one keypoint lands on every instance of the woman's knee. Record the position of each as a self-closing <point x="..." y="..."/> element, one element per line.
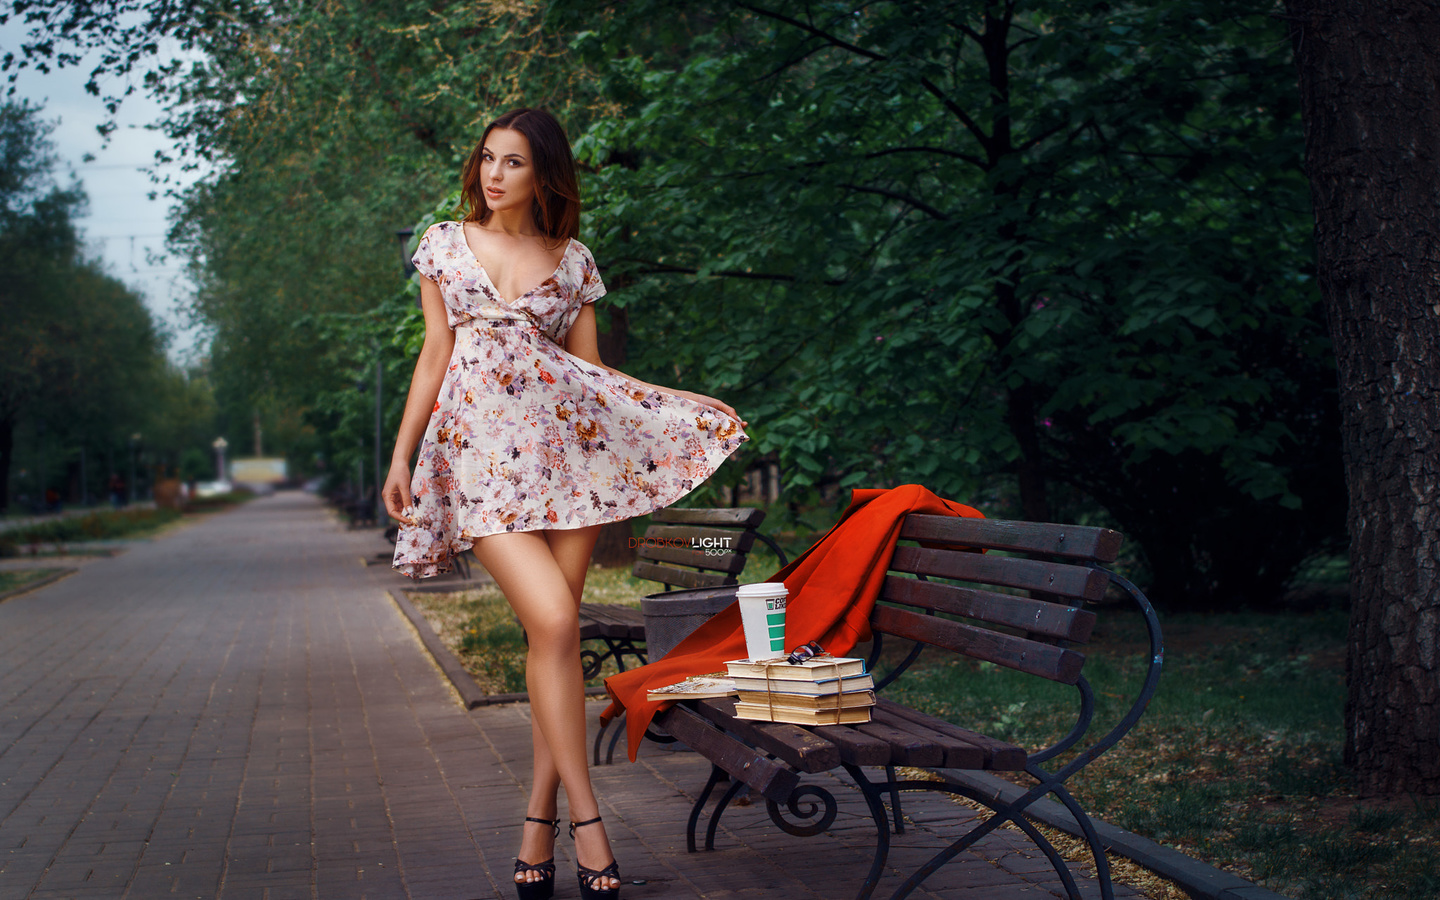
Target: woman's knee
<point x="552" y="626"/>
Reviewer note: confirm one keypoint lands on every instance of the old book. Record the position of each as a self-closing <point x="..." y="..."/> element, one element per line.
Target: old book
<point x="814" y="669"/>
<point x="761" y="712"/>
<point x="696" y="687"/>
<point x="849" y="700"/>
<point x="848" y="684"/>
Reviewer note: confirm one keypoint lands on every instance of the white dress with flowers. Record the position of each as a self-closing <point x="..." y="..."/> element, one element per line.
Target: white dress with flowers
<point x="526" y="436"/>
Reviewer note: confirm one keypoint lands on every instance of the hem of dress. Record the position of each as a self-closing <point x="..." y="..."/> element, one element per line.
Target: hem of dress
<point x="466" y="539"/>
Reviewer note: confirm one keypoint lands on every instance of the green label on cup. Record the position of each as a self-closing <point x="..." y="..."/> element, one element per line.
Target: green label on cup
<point x="775" y="618"/>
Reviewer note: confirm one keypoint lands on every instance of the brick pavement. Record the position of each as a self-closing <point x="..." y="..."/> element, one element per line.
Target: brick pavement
<point x="238" y="710"/>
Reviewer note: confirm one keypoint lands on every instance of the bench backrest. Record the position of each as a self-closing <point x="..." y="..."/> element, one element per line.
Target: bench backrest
<point x="1029" y="630"/>
<point x="697" y="548"/>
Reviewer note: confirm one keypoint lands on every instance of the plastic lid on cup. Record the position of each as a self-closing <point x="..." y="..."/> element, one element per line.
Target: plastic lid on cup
<point x="764" y="590"/>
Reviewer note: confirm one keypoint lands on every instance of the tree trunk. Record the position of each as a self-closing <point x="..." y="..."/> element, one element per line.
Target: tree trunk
<point x="7" y="456"/>
<point x="1370" y="89"/>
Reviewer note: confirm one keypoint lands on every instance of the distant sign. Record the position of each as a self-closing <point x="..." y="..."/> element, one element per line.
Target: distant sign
<point x="258" y="470"/>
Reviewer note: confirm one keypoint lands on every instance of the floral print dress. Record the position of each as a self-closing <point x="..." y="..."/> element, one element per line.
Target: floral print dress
<point x="525" y="436"/>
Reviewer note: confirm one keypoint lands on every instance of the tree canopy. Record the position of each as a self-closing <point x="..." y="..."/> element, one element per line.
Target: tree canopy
<point x="1039" y="250"/>
<point x="82" y="364"/>
<point x="1051" y="255"/>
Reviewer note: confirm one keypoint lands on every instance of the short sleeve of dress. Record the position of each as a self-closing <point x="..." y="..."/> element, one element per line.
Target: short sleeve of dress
<point x="424" y="258"/>
<point x="591" y="287"/>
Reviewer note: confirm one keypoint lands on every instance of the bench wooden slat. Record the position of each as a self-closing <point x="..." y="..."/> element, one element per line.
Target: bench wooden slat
<point x="1021" y="654"/>
<point x="802" y="749"/>
<point x="768" y="777"/>
<point x="729" y="563"/>
<point x="727" y="539"/>
<point x="999" y="755"/>
<point x="959" y="754"/>
<point x="613" y="614"/>
<point x="906" y="749"/>
<point x="739" y="516"/>
<point x="1068" y="623"/>
<point x="598" y="620"/>
<point x="855" y="748"/>
<point x="1029" y="574"/>
<point x="678" y="577"/>
<point x="1066" y="541"/>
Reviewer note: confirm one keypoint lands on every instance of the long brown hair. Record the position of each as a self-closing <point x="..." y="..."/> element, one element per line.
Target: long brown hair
<point x="556" y="206"/>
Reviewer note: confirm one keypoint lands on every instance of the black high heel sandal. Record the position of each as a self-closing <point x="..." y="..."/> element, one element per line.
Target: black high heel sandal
<point x="542" y="888"/>
<point x="589" y="877"/>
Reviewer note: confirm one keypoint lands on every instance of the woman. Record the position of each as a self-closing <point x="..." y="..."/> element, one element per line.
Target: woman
<point x="531" y="443"/>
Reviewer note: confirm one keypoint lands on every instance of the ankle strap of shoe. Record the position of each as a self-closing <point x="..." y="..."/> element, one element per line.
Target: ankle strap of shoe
<point x="553" y="823"/>
<point x="575" y="825"/>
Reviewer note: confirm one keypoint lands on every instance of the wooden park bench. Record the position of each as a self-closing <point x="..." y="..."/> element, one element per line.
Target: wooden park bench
<point x="1018" y="607"/>
<point x="686" y="551"/>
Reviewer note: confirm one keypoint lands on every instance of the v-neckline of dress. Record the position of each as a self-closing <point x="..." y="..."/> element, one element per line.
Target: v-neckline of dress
<point x="570" y="242"/>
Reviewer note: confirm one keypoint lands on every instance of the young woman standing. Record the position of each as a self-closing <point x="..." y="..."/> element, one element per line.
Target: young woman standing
<point x="531" y="443"/>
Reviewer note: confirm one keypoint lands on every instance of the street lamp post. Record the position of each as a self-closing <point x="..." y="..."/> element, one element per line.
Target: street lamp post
<point x="134" y="451"/>
<point x="407" y="268"/>
<point x="220" y="444"/>
<point x="379" y="389"/>
<point x="404" y="235"/>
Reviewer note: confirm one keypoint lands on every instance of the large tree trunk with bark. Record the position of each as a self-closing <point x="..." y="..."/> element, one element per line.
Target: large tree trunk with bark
<point x="1370" y="86"/>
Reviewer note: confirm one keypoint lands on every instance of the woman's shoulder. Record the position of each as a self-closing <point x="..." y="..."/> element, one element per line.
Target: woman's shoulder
<point x="442" y="229"/>
<point x="582" y="250"/>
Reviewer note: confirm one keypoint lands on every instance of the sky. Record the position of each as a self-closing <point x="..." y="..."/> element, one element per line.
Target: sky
<point x="123" y="226"/>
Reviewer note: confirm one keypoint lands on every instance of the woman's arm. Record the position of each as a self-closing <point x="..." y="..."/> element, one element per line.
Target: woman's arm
<point x="420" y="403"/>
<point x="582" y="341"/>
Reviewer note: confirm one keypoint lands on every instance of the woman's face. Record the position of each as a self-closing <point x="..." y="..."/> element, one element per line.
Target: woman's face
<point x="507" y="171"/>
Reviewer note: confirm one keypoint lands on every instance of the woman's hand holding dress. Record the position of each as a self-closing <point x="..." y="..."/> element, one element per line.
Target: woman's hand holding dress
<point x="711" y="402"/>
<point x="397" y="493"/>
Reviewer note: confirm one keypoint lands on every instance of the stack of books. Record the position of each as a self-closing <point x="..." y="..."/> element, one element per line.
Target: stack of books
<point x="822" y="690"/>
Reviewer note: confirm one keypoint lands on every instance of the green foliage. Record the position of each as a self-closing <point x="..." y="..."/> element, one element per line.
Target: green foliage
<point x="986" y="249"/>
<point x="18" y="578"/>
<point x="1036" y="255"/>
<point x="331" y="126"/>
<point x="82" y="364"/>
<point x="96" y="526"/>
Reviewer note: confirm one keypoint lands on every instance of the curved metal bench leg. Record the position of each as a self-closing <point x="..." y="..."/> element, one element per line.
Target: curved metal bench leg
<point x="1092" y="837"/>
<point x="1004" y="812"/>
<point x="716" y="775"/>
<point x="720" y="806"/>
<point x="894" y="800"/>
<point x="614" y="739"/>
<point x="882" y="829"/>
<point x="600" y="737"/>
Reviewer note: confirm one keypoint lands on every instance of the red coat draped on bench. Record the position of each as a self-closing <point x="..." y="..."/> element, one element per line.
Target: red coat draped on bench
<point x="833" y="587"/>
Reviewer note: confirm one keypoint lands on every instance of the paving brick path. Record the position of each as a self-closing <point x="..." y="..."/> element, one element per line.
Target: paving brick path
<point x="238" y="710"/>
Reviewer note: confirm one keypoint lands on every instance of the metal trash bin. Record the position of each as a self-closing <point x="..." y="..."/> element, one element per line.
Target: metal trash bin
<point x="671" y="616"/>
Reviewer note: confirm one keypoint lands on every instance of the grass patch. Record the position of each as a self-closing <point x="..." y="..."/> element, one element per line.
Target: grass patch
<point x="1237" y="762"/>
<point x="479" y="627"/>
<point x="96" y="526"/>
<point x="17" y="578"/>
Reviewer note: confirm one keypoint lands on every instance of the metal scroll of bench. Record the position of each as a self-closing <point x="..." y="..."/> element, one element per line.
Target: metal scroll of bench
<point x="700" y="552"/>
<point x="941" y="596"/>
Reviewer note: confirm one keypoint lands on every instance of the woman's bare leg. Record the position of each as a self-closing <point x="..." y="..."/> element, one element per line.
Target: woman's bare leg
<point x="541" y="575"/>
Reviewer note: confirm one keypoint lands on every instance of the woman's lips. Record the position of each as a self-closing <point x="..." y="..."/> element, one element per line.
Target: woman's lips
<point x="494" y="192"/>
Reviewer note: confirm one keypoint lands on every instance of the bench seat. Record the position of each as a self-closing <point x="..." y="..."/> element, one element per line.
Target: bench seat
<point x="1023" y="608"/>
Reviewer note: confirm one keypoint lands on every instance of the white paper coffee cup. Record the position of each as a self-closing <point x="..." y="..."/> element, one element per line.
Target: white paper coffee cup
<point x="762" y="612"/>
